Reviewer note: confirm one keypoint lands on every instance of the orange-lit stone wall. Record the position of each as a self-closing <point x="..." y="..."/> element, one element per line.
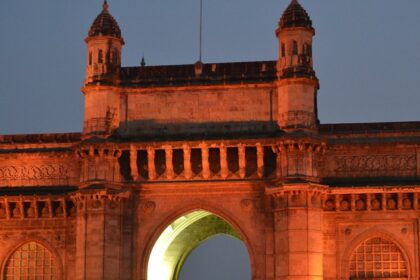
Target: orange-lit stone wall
<point x="306" y="208"/>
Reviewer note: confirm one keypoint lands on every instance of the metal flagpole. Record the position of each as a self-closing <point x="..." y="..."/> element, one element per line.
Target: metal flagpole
<point x="201" y="31"/>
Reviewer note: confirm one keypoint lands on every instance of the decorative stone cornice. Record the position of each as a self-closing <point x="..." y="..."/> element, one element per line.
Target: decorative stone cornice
<point x="99" y="200"/>
<point x="297" y="195"/>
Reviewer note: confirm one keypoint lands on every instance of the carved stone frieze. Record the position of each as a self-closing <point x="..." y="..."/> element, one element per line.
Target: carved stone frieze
<point x="35" y="173"/>
<point x="372" y="165"/>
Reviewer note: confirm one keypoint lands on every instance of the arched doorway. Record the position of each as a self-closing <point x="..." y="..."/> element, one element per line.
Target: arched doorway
<point x="180" y="238"/>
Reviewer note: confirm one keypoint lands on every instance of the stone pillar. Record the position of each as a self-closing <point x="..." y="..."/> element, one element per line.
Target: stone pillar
<point x="133" y="163"/>
<point x="98" y="235"/>
<point x="278" y="150"/>
<point x="169" y="163"/>
<point x="384" y="202"/>
<point x="260" y="160"/>
<point x="7" y="206"/>
<point x="242" y="161"/>
<point x="368" y="202"/>
<point x="298" y="238"/>
<point x="205" y="160"/>
<point x="151" y="163"/>
<point x="400" y="200"/>
<point x="224" y="170"/>
<point x="187" y="161"/>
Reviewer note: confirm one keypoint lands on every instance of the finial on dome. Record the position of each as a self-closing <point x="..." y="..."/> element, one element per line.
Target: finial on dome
<point x="105" y="24"/>
<point x="295" y="16"/>
<point x="143" y="61"/>
<point x="105" y="5"/>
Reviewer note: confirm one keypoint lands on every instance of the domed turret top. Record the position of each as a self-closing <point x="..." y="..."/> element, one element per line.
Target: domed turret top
<point x="105" y="24"/>
<point x="295" y="16"/>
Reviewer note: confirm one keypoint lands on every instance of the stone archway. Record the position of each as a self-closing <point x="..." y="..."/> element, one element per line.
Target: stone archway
<point x="180" y="238"/>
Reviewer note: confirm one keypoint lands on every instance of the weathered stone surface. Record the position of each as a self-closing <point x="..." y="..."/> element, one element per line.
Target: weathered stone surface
<point x="171" y="156"/>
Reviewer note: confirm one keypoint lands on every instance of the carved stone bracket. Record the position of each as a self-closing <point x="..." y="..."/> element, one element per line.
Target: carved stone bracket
<point x="98" y="200"/>
<point x="300" y="196"/>
<point x="298" y="157"/>
<point x="99" y="163"/>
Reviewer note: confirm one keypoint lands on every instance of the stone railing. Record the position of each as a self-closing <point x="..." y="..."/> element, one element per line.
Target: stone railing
<point x="374" y="199"/>
<point x="220" y="160"/>
<point x="35" y="207"/>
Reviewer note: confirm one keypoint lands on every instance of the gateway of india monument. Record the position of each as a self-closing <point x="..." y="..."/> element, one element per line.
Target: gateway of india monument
<point x="172" y="155"/>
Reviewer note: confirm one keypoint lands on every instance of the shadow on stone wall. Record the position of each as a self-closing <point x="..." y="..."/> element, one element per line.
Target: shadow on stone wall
<point x="150" y="129"/>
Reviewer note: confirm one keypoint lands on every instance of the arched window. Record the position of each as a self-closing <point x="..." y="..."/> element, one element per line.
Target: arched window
<point x="294" y="48"/>
<point x="31" y="261"/>
<point x="115" y="57"/>
<point x="307" y="49"/>
<point x="378" y="258"/>
<point x="90" y="58"/>
<point x="100" y="57"/>
<point x="283" y="50"/>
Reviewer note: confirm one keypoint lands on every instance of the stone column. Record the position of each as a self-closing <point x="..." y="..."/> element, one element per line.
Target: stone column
<point x="187" y="161"/>
<point x="400" y="200"/>
<point x="169" y="170"/>
<point x="133" y="163"/>
<point x="384" y="202"/>
<point x="260" y="160"/>
<point x="242" y="161"/>
<point x="98" y="235"/>
<point x="224" y="170"/>
<point x="278" y="150"/>
<point x="298" y="234"/>
<point x="205" y="160"/>
<point x="151" y="163"/>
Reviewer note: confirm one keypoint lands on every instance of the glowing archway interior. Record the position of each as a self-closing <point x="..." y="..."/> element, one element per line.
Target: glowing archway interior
<point x="178" y="240"/>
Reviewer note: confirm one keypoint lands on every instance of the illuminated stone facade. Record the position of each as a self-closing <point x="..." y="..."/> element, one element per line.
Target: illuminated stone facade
<point x="172" y="155"/>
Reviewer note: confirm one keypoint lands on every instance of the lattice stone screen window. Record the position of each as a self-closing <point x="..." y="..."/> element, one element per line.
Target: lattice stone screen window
<point x="378" y="258"/>
<point x="31" y="261"/>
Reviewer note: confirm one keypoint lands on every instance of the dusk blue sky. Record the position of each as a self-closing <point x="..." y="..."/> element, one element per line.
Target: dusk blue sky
<point x="366" y="53"/>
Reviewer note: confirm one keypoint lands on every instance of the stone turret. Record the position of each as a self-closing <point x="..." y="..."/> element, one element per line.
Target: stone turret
<point x="297" y="82"/>
<point x="104" y="46"/>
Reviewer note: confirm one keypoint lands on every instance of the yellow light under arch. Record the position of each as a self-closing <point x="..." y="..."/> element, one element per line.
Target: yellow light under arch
<point x="180" y="238"/>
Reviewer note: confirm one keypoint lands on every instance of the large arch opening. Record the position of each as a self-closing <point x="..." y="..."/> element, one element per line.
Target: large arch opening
<point x="180" y="238"/>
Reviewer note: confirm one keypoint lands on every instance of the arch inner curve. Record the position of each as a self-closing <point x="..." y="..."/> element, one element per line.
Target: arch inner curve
<point x="180" y="238"/>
